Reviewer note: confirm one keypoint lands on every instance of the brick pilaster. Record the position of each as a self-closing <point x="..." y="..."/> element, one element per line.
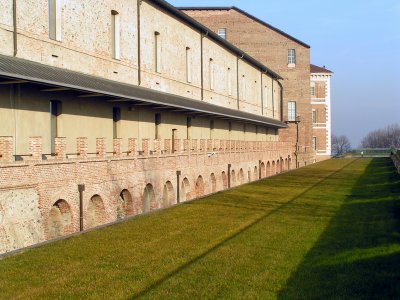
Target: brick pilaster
<point x="131" y="147"/>
<point x="100" y="147"/>
<point x="145" y="147"/>
<point x="82" y="147"/>
<point x="36" y="147"/>
<point x="167" y="146"/>
<point x="6" y="149"/>
<point x="60" y="148"/>
<point x="117" y="147"/>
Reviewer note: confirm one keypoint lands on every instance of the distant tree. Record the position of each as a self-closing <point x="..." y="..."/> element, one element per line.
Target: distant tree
<point x="388" y="137"/>
<point x="340" y="145"/>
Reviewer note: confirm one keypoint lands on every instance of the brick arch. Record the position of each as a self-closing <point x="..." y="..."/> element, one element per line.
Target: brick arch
<point x="213" y="183"/>
<point x="95" y="212"/>
<point x="241" y="176"/>
<point x="199" y="186"/>
<point x="268" y="170"/>
<point x="124" y="205"/>
<point x="273" y="168"/>
<point x="286" y="164"/>
<point x="278" y="166"/>
<point x="168" y="197"/>
<point x="185" y="190"/>
<point x="149" y="198"/>
<point x="255" y="173"/>
<point x="262" y="170"/>
<point x="224" y="180"/>
<point x="289" y="163"/>
<point x="233" y="178"/>
<point x="60" y="220"/>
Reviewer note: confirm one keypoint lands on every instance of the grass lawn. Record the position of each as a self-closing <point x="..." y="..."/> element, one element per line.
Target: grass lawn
<point x="330" y="230"/>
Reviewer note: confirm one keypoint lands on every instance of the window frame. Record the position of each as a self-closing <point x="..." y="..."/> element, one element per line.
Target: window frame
<point x="292" y="111"/>
<point x="222" y="33"/>
<point x="291" y="57"/>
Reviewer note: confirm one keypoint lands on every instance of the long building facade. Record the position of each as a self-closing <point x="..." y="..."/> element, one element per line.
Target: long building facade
<point x="109" y="109"/>
<point x="282" y="52"/>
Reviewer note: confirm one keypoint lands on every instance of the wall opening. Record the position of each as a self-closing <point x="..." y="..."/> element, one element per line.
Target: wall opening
<point x="233" y="178"/>
<point x="116" y="35"/>
<point x="224" y="178"/>
<point x="255" y="173"/>
<point x="199" y="187"/>
<point x="124" y="205"/>
<point x="241" y="176"/>
<point x="262" y="170"/>
<point x="168" y="197"/>
<point x="96" y="213"/>
<point x="60" y="220"/>
<point x="213" y="182"/>
<point x="185" y="190"/>
<point x="149" y="198"/>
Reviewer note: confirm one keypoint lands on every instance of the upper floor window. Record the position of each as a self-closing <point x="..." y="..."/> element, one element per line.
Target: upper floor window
<point x="312" y="89"/>
<point x="229" y="81"/>
<point x="314" y="116"/>
<point x="157" y="51"/>
<point x="291" y="57"/>
<point x="314" y="143"/>
<point x="222" y="33"/>
<point x="211" y="71"/>
<point x="188" y="65"/>
<point x="116" y="34"/>
<point x="55" y="20"/>
<point x="292" y="111"/>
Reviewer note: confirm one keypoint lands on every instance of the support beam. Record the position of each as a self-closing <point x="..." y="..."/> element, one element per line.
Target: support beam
<point x="13" y="82"/>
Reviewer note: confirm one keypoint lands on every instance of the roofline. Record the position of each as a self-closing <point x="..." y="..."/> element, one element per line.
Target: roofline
<point x="248" y="15"/>
<point x="211" y="34"/>
<point x="326" y="71"/>
<point x="35" y="72"/>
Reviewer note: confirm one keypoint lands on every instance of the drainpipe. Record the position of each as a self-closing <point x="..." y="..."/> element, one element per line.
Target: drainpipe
<point x="281" y="102"/>
<point x="229" y="176"/>
<point x="15" y="33"/>
<point x="259" y="169"/>
<point x="139" y="2"/>
<point x="178" y="196"/>
<point x="81" y="189"/>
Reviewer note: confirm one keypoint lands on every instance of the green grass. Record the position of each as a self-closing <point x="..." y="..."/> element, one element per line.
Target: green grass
<point x="331" y="230"/>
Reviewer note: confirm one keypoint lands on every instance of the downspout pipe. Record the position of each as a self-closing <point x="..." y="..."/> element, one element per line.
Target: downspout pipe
<point x="81" y="189"/>
<point x="178" y="196"/>
<point x="281" y="100"/>
<point x="15" y="31"/>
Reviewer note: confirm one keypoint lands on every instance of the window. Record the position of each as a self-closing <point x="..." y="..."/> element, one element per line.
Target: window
<point x="157" y="123"/>
<point x="291" y="111"/>
<point x="229" y="79"/>
<point x="157" y="51"/>
<point x="55" y="112"/>
<point x="244" y="90"/>
<point x="222" y="33"/>
<point x="314" y="143"/>
<point x="116" y="35"/>
<point x="211" y="71"/>
<point x="314" y="116"/>
<point x="116" y="121"/>
<point x="291" y="56"/>
<point x="55" y="20"/>
<point x="312" y="89"/>
<point x="188" y="65"/>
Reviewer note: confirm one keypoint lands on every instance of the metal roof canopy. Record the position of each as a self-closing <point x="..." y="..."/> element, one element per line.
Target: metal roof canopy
<point x="38" y="73"/>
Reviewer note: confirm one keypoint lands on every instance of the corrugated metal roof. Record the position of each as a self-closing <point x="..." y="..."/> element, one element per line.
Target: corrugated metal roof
<point x="39" y="73"/>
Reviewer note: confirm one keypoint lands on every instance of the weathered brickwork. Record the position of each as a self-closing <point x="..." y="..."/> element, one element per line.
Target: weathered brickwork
<point x="43" y="196"/>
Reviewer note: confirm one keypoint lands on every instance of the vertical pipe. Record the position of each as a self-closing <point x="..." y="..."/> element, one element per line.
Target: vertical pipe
<point x="281" y="100"/>
<point x="178" y="196"/>
<point x="81" y="189"/>
<point x="15" y="32"/>
<point x="273" y="100"/>
<point x="139" y="2"/>
<point x="229" y="176"/>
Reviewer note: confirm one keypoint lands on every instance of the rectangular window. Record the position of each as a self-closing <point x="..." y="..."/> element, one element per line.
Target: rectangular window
<point x="211" y="71"/>
<point x="291" y="111"/>
<point x="291" y="56"/>
<point x="312" y="89"/>
<point x="55" y="112"/>
<point x="188" y="65"/>
<point x="222" y="33"/>
<point x="157" y="123"/>
<point x="314" y="143"/>
<point x="314" y="116"/>
<point x="157" y="52"/>
<point x="116" y="34"/>
<point x="116" y="121"/>
<point x="229" y="79"/>
<point x="55" y="20"/>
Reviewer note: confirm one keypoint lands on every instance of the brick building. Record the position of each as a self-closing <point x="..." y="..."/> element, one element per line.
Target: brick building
<point x="116" y="108"/>
<point x="320" y="91"/>
<point x="285" y="54"/>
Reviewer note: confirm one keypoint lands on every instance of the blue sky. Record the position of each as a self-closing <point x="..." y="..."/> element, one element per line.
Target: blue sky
<point x="359" y="40"/>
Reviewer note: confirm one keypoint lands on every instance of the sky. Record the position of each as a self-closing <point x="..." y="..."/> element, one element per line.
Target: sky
<point x="359" y="40"/>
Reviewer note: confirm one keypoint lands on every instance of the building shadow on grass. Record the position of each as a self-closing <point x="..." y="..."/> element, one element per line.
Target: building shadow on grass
<point x="358" y="256"/>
